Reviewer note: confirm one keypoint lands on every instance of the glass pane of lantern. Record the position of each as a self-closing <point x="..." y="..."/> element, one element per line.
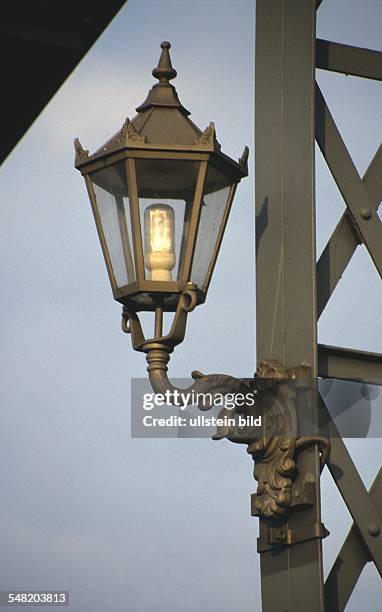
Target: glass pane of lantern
<point x="216" y="191"/>
<point x="166" y="191"/>
<point x="112" y="201"/>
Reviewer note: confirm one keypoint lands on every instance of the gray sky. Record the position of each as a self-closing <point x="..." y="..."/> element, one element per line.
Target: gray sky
<point x="147" y="525"/>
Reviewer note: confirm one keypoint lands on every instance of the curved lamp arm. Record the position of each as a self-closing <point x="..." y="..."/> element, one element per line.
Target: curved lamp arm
<point x="158" y="358"/>
<point x="159" y="348"/>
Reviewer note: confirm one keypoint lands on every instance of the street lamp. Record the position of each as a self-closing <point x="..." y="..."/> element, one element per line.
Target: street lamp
<point x="161" y="191"/>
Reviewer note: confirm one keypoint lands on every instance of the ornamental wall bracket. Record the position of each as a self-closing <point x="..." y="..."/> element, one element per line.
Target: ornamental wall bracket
<point x="274" y="446"/>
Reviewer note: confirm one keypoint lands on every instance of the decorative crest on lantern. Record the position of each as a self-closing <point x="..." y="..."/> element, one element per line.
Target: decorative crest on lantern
<point x="208" y="137"/>
<point x="80" y="152"/>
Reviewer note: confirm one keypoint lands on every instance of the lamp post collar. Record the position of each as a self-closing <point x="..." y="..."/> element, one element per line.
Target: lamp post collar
<point x="163" y="94"/>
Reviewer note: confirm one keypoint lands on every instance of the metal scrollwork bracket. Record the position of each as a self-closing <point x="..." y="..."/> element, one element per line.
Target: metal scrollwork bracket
<point x="274" y="445"/>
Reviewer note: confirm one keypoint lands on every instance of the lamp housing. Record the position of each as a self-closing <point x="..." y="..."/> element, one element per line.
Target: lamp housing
<point x="161" y="191"/>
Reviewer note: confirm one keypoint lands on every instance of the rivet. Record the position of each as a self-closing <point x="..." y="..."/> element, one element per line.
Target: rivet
<point x="281" y="536"/>
<point x="374" y="530"/>
<point x="365" y="213"/>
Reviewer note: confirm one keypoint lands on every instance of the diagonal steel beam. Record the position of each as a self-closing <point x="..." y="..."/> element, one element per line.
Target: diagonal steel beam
<point x="348" y="180"/>
<point x="352" y="188"/>
<point x="345" y="238"/>
<point x="351" y="559"/>
<point x="373" y="179"/>
<point x="335" y="259"/>
<point x="334" y="56"/>
<point x="354" y="493"/>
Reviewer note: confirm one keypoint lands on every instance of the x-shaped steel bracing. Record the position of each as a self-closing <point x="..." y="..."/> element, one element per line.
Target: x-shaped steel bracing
<point x="359" y="224"/>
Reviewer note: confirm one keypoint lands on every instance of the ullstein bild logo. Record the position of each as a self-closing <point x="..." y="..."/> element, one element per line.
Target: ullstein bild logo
<point x="201" y="421"/>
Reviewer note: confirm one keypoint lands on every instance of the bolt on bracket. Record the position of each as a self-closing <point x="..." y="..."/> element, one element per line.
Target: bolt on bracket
<point x="284" y="536"/>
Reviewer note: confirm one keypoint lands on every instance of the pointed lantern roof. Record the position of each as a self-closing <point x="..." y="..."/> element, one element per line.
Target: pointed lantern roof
<point x="161" y="122"/>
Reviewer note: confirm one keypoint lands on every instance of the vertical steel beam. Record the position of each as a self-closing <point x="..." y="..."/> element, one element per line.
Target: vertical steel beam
<point x="292" y="576"/>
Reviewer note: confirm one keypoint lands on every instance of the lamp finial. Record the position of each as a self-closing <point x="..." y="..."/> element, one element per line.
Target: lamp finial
<point x="164" y="72"/>
<point x="163" y="94"/>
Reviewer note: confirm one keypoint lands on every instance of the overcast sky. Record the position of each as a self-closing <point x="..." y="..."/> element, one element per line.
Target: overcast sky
<point x="148" y="525"/>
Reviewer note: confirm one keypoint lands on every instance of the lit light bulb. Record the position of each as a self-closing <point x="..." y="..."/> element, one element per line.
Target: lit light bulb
<point x="159" y="241"/>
